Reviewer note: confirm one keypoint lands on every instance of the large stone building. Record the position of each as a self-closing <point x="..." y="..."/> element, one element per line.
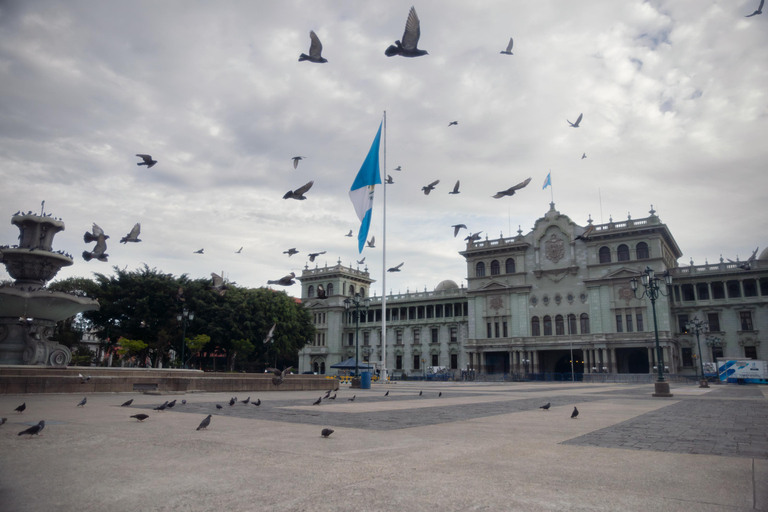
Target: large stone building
<point x="537" y="301"/>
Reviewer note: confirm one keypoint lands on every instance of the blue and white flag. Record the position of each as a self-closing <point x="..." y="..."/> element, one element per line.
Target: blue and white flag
<point x="361" y="192"/>
<point x="548" y="181"/>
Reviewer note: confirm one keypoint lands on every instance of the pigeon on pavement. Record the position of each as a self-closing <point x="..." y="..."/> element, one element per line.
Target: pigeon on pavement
<point x="34" y="430"/>
<point x="171" y="404"/>
<point x="257" y="402"/>
<point x="128" y="403"/>
<point x="21" y="408"/>
<point x="327" y="394"/>
<point x="386" y="394"/>
<point x="246" y="401"/>
<point x="82" y="402"/>
<point x="219" y="406"/>
<point x="205" y="422"/>
<point x="574" y="413"/>
<point x="161" y="407"/>
<point x="545" y="407"/>
<point x="326" y="432"/>
<point x="351" y="399"/>
<point x="317" y="402"/>
<point x="140" y="417"/>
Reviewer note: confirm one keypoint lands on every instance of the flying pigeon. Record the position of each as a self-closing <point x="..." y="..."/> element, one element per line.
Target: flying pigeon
<point x="545" y="406"/>
<point x="453" y="123"/>
<point x="279" y="375"/>
<point x="285" y="280"/>
<point x="205" y="422"/>
<point x="297" y="158"/>
<point x="326" y="432"/>
<point x="511" y="190"/>
<point x="327" y="394"/>
<point x="200" y="251"/>
<point x="270" y="333"/>
<point x="361" y="262"/>
<point x="83" y="380"/>
<point x="574" y="413"/>
<point x="474" y="236"/>
<point x="171" y="404"/>
<point x="246" y="401"/>
<point x="161" y="407"/>
<point x="290" y="252"/>
<point x="389" y="181"/>
<point x="395" y="269"/>
<point x="317" y="402"/>
<point x="371" y="243"/>
<point x="349" y="234"/>
<point x="457" y="227"/>
<point x="576" y="124"/>
<point x="314" y="255"/>
<point x="219" y="406"/>
<point x="82" y="402"/>
<point x="133" y="236"/>
<point x="315" y="49"/>
<point x="147" y="161"/>
<point x="239" y="250"/>
<point x="99" y="251"/>
<point x="321" y="292"/>
<point x="257" y="402"/>
<point x="429" y="188"/>
<point x="399" y="168"/>
<point x="585" y="235"/>
<point x="386" y="394"/>
<point x="746" y="265"/>
<point x="410" y="41"/>
<point x="20" y="409"/>
<point x="351" y="399"/>
<point x="455" y="188"/>
<point x="299" y="192"/>
<point x="218" y="284"/>
<point x="232" y="402"/>
<point x="508" y="51"/>
<point x="583" y="156"/>
<point x="140" y="417"/>
<point x="758" y="11"/>
<point x="34" y="430"/>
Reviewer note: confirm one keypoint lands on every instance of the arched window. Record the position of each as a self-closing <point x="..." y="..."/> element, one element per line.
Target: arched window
<point x="509" y="266"/>
<point x="322" y="368"/>
<point x="547" y="325"/>
<point x="605" y="255"/>
<point x="642" y="251"/>
<point x="495" y="268"/>
<point x="535" y="330"/>
<point x="329" y="289"/>
<point x="572" y="324"/>
<point x="351" y="290"/>
<point x="584" y="323"/>
<point x="480" y="269"/>
<point x="559" y="325"/>
<point x="311" y="291"/>
<point x="317" y="367"/>
<point x="362" y="291"/>
<point x="622" y="253"/>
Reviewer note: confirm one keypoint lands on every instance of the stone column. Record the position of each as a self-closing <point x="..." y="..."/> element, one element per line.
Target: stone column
<point x="535" y="362"/>
<point x="651" y="359"/>
<point x="613" y="367"/>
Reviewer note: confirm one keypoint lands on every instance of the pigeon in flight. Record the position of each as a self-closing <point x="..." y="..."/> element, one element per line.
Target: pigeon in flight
<point x="395" y="269"/>
<point x="545" y="406"/>
<point x="746" y="265"/>
<point x="20" y="409"/>
<point x="455" y="188"/>
<point x="140" y="417"/>
<point x="508" y="51"/>
<point x="453" y="123"/>
<point x="758" y="11"/>
<point x="315" y="49"/>
<point x="583" y="156"/>
<point x="83" y="380"/>
<point x="457" y="227"/>
<point x="326" y="432"/>
<point x="34" y="430"/>
<point x="296" y="160"/>
<point x="290" y="252"/>
<point x="576" y="124"/>
<point x="474" y="236"/>
<point x="127" y="404"/>
<point x="133" y="236"/>
<point x="399" y="168"/>
<point x="205" y="422"/>
<point x="574" y="413"/>
<point x="511" y="190"/>
<point x="269" y="334"/>
<point x="199" y="251"/>
<point x="299" y="192"/>
<point x="371" y="243"/>
<point x="83" y="402"/>
<point x="429" y="188"/>
<point x="314" y="255"/>
<point x="410" y="41"/>
<point x="321" y="292"/>
<point x="361" y="262"/>
<point x="147" y="161"/>
<point x="99" y="251"/>
<point x="389" y="181"/>
<point x="239" y="250"/>
<point x="349" y="234"/>
<point x="218" y="284"/>
<point x="351" y="399"/>
<point x="585" y="235"/>
<point x="279" y="375"/>
<point x="317" y="402"/>
<point x="285" y="280"/>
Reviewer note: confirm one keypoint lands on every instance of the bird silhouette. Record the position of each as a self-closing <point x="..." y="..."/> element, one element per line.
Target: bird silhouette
<point x="183" y="402"/>
<point x="421" y="393"/>
<point x="585" y="235"/>
<point x="429" y="188"/>
<point x="204" y="424"/>
<point x="20" y="409"/>
<point x="218" y="284"/>
<point x="246" y="401"/>
<point x="511" y="190"/>
<point x="2" y="421"/>
<point x="83" y="380"/>
<point x="279" y="377"/>
<point x="574" y="413"/>
<point x="133" y="236"/>
<point x="746" y="265"/>
<point x="232" y="402"/>
<point x="171" y="405"/>
<point x="299" y="192"/>
<point x="317" y="402"/>
<point x="395" y="269"/>
<point x="410" y="41"/>
<point x="399" y="168"/>
<point x="326" y="432"/>
<point x="34" y="430"/>
<point x="161" y="407"/>
<point x="545" y="406"/>
<point x="315" y="49"/>
<point x="386" y="394"/>
<point x="99" y="251"/>
<point x="321" y="292"/>
<point x="239" y="250"/>
<point x="473" y="237"/>
<point x="439" y="394"/>
<point x="457" y="227"/>
<point x="389" y="181"/>
<point x="576" y="124"/>
<point x="83" y="402"/>
<point x="127" y="404"/>
<point x="285" y="280"/>
<point x="349" y="234"/>
<point x="270" y="334"/>
<point x="453" y="123"/>
<point x="140" y="417"/>
<point x="296" y="159"/>
<point x="200" y="251"/>
<point x="257" y="402"/>
<point x="290" y="252"/>
<point x="583" y="156"/>
<point x="371" y="243"/>
<point x="147" y="160"/>
<point x="455" y="188"/>
<point x="758" y="11"/>
<point x="351" y="399"/>
<point x="314" y="255"/>
<point x="327" y="394"/>
<point x="508" y="51"/>
<point x="219" y="406"/>
<point x="361" y="262"/>
<point x="333" y="397"/>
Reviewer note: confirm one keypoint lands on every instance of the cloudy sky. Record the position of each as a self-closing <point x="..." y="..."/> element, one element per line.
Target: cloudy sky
<point x="673" y="95"/>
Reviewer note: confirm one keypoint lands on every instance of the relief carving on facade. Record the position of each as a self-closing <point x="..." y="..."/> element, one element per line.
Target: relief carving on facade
<point x="496" y="303"/>
<point x="554" y="249"/>
<point x="625" y="294"/>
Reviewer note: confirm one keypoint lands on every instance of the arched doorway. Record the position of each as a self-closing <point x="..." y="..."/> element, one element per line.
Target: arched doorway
<point x="563" y="365"/>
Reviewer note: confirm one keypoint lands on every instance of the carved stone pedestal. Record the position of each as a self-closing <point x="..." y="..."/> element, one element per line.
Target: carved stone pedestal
<point x="662" y="389"/>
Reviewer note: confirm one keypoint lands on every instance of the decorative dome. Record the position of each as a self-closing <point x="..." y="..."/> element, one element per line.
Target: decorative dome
<point x="446" y="285"/>
<point x="764" y="254"/>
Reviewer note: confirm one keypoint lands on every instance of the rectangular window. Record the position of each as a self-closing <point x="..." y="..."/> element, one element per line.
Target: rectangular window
<point x="416" y="361"/>
<point x="750" y="288"/>
<point x="619" y="327"/>
<point x="734" y="289"/>
<point x="677" y="293"/>
<point x="417" y="336"/>
<point x="504" y="329"/>
<point x="629" y="322"/>
<point x="702" y="290"/>
<point x="439" y="311"/>
<point x="688" y="292"/>
<point x="687" y="354"/>
<point x="454" y="334"/>
<point x="717" y="353"/>
<point x="496" y="328"/>
<point x="681" y="321"/>
<point x="454" y="361"/>
<point x="434" y="336"/>
<point x="351" y="339"/>
<point x="718" y="290"/>
<point x="639" y="318"/>
<point x="420" y="312"/>
<point x="435" y="360"/>
<point x="488" y="329"/>
<point x="366" y="338"/>
<point x="746" y="320"/>
<point x="398" y="337"/>
<point x="430" y="311"/>
<point x="713" y="319"/>
<point x="584" y="321"/>
<point x="398" y="362"/>
<point x="750" y="352"/>
<point x="572" y="324"/>
<point x="448" y="310"/>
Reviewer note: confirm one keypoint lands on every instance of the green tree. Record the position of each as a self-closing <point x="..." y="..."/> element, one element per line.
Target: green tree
<point x="196" y="344"/>
<point x="132" y="347"/>
<point x="241" y="349"/>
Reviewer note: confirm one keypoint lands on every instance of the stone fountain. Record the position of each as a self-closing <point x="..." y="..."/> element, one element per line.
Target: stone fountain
<point x="28" y="311"/>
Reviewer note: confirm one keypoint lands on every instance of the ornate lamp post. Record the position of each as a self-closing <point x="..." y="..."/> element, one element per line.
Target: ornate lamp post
<point x="184" y="317"/>
<point x="653" y="291"/>
<point x="697" y="327"/>
<point x="348" y="303"/>
<point x="714" y="342"/>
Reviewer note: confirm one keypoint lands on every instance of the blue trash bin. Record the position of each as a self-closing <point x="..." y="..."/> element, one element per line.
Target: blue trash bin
<point x="365" y="380"/>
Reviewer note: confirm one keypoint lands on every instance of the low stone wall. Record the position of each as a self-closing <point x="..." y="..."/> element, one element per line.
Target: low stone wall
<point x="36" y="379"/>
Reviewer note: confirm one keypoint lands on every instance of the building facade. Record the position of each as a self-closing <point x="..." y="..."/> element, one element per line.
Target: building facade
<point x="555" y="300"/>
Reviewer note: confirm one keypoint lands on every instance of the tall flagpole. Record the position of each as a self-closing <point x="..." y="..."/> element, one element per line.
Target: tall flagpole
<point x="383" y="373"/>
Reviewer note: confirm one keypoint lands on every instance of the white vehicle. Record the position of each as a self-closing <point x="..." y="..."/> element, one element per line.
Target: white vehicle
<point x="748" y="370"/>
<point x="434" y="370"/>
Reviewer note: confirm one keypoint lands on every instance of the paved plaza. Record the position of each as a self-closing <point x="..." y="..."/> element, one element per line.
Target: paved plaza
<point x="479" y="446"/>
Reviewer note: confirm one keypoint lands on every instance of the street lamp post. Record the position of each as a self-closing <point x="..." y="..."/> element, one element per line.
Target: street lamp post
<point x="525" y="365"/>
<point x="348" y="303"/>
<point x="184" y="317"/>
<point x="714" y="342"/>
<point x="697" y="327"/>
<point x="653" y="291"/>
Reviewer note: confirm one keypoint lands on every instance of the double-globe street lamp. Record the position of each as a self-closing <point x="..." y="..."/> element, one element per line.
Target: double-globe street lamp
<point x="653" y="291"/>
<point x="348" y="303"/>
<point x="697" y="327"/>
<point x="184" y="317"/>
